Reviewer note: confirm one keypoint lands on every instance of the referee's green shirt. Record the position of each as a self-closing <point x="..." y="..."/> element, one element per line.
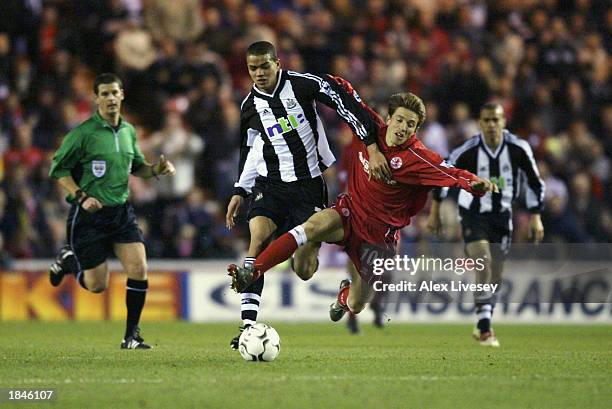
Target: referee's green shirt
<point x="99" y="158"/>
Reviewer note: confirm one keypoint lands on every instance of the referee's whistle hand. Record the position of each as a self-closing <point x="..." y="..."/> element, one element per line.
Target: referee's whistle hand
<point x="91" y="205"/>
<point x="165" y="167"/>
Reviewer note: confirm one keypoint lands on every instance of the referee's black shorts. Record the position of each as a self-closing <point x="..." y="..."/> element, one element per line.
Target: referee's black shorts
<point x="92" y="235"/>
<point x="496" y="228"/>
<point x="287" y="204"/>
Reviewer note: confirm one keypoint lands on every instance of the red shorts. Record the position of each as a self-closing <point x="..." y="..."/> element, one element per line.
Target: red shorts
<point x="361" y="251"/>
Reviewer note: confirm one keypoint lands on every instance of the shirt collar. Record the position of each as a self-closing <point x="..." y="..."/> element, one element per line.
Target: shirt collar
<point x="499" y="147"/>
<point x="102" y="122"/>
<point x="278" y="83"/>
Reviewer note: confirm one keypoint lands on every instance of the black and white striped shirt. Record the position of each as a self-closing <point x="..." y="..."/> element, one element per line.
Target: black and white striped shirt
<point x="282" y="135"/>
<point x="512" y="167"/>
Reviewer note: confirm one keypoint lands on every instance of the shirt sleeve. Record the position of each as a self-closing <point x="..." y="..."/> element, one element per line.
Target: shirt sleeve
<point x="67" y="156"/>
<point x="247" y="164"/>
<point x="425" y="167"/>
<point x="534" y="185"/>
<point x="348" y="87"/>
<point x="248" y="174"/>
<point x="335" y="94"/>
<point x="139" y="158"/>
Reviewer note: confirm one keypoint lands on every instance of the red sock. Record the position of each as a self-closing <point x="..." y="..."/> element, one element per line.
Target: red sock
<point x="277" y="252"/>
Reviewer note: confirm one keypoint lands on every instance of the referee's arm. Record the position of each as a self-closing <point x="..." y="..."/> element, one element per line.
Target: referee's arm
<point x="69" y="185"/>
<point x="66" y="158"/>
<point x="152" y="170"/>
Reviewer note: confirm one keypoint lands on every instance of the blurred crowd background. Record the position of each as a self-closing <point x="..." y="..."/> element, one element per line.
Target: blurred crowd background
<point x="182" y="61"/>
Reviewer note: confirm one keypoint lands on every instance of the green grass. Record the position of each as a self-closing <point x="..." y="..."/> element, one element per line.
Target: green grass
<point x="320" y="366"/>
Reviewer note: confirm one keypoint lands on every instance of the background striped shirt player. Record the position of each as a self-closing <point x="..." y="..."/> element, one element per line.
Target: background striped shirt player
<point x="512" y="167"/>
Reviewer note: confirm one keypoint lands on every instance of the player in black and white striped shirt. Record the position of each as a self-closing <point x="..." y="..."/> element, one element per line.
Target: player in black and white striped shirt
<point x="507" y="161"/>
<point x="283" y="154"/>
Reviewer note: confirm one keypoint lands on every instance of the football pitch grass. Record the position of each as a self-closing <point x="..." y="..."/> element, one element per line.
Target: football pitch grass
<point x="320" y="366"/>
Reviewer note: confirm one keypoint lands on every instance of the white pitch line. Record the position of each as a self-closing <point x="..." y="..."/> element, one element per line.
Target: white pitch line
<point x="69" y="381"/>
<point x="316" y="378"/>
<point x="435" y="377"/>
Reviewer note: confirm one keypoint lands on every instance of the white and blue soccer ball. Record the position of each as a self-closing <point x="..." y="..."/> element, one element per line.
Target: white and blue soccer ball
<point x="259" y="342"/>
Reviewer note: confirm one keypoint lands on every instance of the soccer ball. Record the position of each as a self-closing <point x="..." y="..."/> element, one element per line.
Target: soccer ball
<point x="259" y="342"/>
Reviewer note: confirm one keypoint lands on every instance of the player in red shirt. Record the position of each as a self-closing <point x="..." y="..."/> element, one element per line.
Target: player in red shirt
<point x="369" y="217"/>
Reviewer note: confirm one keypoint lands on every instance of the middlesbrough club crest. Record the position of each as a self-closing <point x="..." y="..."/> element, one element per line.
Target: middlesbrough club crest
<point x="396" y="162"/>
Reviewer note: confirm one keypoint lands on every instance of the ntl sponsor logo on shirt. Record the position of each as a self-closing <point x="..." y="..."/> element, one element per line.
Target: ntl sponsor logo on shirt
<point x="284" y="125"/>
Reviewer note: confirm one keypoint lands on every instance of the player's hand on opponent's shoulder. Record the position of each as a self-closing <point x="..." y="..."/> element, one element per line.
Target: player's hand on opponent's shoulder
<point x="91" y="204"/>
<point x="232" y="210"/>
<point x="481" y="185"/>
<point x="164" y="167"/>
<point x="378" y="165"/>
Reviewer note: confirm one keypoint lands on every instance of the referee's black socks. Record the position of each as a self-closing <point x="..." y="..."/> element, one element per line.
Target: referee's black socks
<point x="135" y="295"/>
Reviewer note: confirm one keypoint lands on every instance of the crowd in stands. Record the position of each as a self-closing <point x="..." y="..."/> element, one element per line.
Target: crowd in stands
<point x="183" y="65"/>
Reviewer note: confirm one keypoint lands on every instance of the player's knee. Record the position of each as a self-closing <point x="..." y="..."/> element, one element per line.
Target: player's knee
<point x="137" y="271"/>
<point x="258" y="242"/>
<point x="309" y="228"/>
<point x="306" y="263"/>
<point x="97" y="287"/>
<point x="480" y="253"/>
<point x="306" y="272"/>
<point x="312" y="228"/>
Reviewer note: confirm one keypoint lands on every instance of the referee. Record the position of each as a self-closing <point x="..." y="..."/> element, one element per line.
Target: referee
<point x="486" y="222"/>
<point x="93" y="165"/>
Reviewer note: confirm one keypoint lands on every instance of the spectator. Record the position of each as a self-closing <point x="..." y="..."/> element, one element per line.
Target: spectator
<point x="178" y="20"/>
<point x="182" y="148"/>
<point x="546" y="62"/>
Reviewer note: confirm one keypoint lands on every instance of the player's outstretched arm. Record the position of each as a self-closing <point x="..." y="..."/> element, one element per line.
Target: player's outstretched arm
<point x="481" y="185"/>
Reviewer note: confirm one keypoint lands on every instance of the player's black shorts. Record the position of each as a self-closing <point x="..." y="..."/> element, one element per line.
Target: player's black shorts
<point x="496" y="228"/>
<point x="287" y="204"/>
<point x="92" y="235"/>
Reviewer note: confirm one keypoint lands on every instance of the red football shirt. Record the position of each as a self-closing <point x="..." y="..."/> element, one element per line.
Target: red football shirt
<point x="377" y="206"/>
